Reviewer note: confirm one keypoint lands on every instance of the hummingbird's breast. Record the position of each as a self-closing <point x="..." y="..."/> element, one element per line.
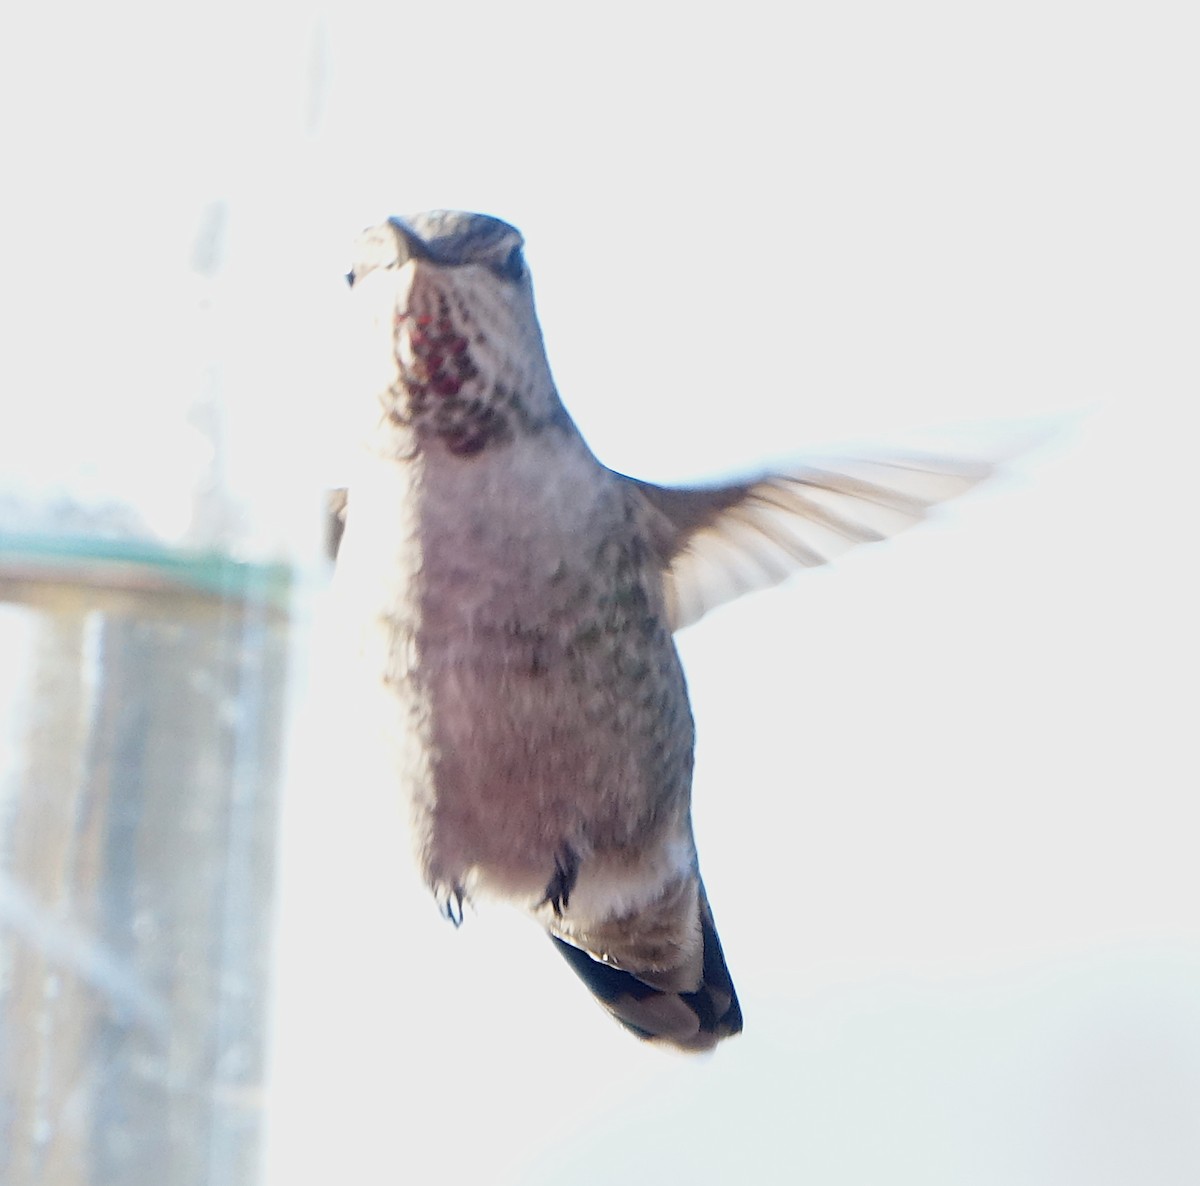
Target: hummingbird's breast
<point x="537" y="699"/>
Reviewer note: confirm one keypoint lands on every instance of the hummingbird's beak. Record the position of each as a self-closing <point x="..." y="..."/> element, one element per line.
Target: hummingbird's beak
<point x="396" y="250"/>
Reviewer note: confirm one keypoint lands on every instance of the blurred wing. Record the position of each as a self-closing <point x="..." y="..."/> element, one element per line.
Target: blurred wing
<point x="722" y="541"/>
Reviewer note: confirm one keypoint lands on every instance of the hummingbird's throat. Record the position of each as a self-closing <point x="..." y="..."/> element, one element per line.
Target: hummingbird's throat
<point x="441" y="356"/>
<point x="443" y="393"/>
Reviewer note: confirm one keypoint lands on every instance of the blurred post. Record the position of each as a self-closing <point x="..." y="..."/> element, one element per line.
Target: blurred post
<point x="159" y="524"/>
<point x="138" y="814"/>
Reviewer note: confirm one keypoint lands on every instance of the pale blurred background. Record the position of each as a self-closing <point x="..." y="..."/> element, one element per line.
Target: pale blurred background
<point x="946" y="789"/>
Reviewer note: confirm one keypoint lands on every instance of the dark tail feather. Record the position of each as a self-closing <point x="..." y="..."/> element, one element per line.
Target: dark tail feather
<point x="688" y="1020"/>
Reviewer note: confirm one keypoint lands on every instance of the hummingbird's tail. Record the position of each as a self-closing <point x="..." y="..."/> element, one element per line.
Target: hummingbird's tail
<point x="689" y="1020"/>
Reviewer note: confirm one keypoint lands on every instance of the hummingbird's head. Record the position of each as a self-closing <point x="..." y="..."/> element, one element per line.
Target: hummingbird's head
<point x="469" y="367"/>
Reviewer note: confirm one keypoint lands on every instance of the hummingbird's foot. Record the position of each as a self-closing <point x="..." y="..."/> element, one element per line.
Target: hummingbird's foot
<point x="566" y="873"/>
<point x="450" y="902"/>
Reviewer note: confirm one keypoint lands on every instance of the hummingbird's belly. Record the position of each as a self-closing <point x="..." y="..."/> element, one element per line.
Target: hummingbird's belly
<point x="552" y="753"/>
<point x="537" y="701"/>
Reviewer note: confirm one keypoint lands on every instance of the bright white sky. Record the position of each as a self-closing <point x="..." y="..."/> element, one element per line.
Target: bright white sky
<point x="945" y="796"/>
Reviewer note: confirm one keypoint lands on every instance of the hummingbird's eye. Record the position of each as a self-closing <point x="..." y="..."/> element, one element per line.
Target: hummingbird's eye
<point x="513" y="267"/>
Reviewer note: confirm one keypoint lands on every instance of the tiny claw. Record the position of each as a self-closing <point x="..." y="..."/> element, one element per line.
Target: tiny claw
<point x="451" y="905"/>
<point x="566" y="873"/>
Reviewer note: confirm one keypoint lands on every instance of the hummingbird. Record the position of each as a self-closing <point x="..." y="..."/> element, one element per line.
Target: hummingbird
<point x="515" y="602"/>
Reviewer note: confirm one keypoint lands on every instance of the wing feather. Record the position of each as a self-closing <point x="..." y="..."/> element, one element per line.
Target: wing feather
<point x="718" y="542"/>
